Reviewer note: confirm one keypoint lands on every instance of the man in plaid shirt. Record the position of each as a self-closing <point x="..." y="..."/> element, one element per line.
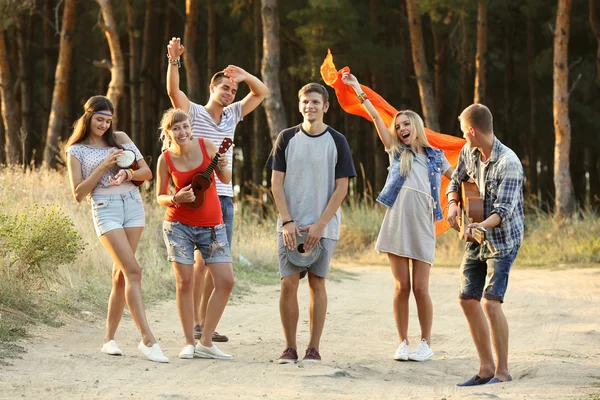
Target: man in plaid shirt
<point x="499" y="176"/>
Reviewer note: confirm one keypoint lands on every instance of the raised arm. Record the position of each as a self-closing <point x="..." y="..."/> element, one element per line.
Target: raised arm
<point x="382" y="130"/>
<point x="178" y="98"/>
<point x="258" y="90"/>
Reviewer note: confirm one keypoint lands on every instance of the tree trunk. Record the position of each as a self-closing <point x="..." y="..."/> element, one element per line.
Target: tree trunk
<point x="532" y="142"/>
<point x="10" y="112"/>
<point x="146" y="128"/>
<point x="481" y="55"/>
<point x="211" y="50"/>
<point x="259" y="142"/>
<point x="270" y="68"/>
<point x="61" y="85"/>
<point x="170" y="16"/>
<point x="509" y="128"/>
<point x="465" y="96"/>
<point x="439" y="44"/>
<point x="134" y="73"/>
<point x="192" y="15"/>
<point x="595" y="24"/>
<point x="48" y="78"/>
<point x="404" y="59"/>
<point x="29" y="135"/>
<point x="116" y="87"/>
<point x="562" y="127"/>
<point x="421" y="69"/>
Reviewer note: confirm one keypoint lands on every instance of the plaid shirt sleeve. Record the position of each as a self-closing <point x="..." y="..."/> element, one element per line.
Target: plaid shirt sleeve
<point x="460" y="173"/>
<point x="510" y="186"/>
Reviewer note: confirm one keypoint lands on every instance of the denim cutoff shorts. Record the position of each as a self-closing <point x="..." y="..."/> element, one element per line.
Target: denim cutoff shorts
<point x="116" y="211"/>
<point x="473" y="274"/>
<point x="182" y="239"/>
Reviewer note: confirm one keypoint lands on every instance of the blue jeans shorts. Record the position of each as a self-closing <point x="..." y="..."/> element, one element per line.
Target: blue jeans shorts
<point x="115" y="211"/>
<point x="474" y="272"/>
<point x="182" y="239"/>
<point x="227" y="210"/>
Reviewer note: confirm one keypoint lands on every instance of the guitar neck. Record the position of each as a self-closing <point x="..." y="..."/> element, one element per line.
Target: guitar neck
<point x="211" y="167"/>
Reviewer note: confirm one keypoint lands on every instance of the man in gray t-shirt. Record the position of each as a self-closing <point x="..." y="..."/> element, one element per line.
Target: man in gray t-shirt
<point x="311" y="165"/>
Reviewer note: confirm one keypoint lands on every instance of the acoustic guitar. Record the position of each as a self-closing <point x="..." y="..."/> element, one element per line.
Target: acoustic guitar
<point x="471" y="205"/>
<point x="201" y="182"/>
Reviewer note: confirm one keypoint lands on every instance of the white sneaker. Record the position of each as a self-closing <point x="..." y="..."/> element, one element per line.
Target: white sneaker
<point x="422" y="353"/>
<point x="187" y="352"/>
<point x="402" y="352"/>
<point x="111" y="348"/>
<point x="153" y="353"/>
<point x="211" y="352"/>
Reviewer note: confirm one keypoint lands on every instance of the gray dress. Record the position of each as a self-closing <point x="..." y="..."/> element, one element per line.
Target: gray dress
<point x="408" y="228"/>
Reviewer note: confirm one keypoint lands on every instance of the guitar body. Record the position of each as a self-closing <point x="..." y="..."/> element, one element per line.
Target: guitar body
<point x="471" y="205"/>
<point x="134" y="167"/>
<point x="200" y="185"/>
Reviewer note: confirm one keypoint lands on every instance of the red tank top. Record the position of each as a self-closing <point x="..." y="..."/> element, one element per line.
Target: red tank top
<point x="210" y="213"/>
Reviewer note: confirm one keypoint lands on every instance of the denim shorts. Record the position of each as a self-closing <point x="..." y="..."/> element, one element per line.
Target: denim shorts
<point x="116" y="211"/>
<point x="474" y="272"/>
<point x="182" y="239"/>
<point x="318" y="268"/>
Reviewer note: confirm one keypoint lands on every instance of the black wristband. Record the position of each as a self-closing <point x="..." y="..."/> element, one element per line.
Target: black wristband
<point x="452" y="201"/>
<point x="287" y="222"/>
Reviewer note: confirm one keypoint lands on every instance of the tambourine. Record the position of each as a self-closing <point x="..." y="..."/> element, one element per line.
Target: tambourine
<point x="300" y="257"/>
<point x="127" y="160"/>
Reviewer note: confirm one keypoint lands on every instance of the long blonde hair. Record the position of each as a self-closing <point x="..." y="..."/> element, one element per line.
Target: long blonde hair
<point x="406" y="154"/>
<point x="170" y="117"/>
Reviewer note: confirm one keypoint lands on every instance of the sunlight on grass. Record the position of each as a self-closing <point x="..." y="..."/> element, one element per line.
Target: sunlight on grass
<point x="85" y="284"/>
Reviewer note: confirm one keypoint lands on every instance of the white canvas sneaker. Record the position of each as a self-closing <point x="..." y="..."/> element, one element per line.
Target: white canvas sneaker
<point x="423" y="352"/>
<point x="211" y="352"/>
<point x="154" y="353"/>
<point x="402" y="352"/>
<point x="187" y="352"/>
<point x="111" y="348"/>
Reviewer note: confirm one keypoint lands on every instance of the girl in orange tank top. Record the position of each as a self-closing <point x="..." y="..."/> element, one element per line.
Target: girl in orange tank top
<point x="187" y="227"/>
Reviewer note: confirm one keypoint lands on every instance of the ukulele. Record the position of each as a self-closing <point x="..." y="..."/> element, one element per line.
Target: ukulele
<point x="471" y="210"/>
<point x="202" y="181"/>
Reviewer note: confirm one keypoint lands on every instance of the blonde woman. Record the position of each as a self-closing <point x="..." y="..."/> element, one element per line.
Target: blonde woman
<point x="93" y="151"/>
<point x="412" y="196"/>
<point x="186" y="229"/>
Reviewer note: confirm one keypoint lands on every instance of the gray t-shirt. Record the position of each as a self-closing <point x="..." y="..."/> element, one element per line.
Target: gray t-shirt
<point x="311" y="164"/>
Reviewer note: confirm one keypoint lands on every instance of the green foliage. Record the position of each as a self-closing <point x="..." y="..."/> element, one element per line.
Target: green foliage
<point x="35" y="242"/>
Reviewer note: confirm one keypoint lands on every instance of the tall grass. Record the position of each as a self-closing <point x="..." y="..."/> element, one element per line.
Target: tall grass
<point x="86" y="283"/>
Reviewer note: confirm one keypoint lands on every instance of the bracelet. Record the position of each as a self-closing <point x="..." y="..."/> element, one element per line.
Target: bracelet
<point x="173" y="202"/>
<point x="362" y="97"/>
<point x="287" y="222"/>
<point x="174" y="61"/>
<point x="452" y="201"/>
<point x="222" y="170"/>
<point x="130" y="171"/>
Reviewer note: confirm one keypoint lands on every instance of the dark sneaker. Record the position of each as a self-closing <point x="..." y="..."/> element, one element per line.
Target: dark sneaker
<point x="216" y="336"/>
<point x="312" y="355"/>
<point x="289" y="356"/>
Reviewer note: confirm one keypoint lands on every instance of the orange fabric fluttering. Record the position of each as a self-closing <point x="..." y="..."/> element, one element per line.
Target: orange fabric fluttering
<point x="451" y="145"/>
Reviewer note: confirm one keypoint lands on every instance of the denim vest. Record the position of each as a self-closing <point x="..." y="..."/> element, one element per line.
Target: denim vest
<point x="394" y="180"/>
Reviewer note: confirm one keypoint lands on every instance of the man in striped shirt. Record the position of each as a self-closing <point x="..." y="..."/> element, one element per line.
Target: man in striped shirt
<point x="499" y="176"/>
<point x="215" y="121"/>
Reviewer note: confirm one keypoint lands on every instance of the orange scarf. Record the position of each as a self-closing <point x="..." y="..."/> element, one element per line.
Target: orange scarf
<point x="451" y="145"/>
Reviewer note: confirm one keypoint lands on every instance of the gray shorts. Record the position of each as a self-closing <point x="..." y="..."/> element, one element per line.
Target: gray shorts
<point x="319" y="267"/>
<point x="182" y="239"/>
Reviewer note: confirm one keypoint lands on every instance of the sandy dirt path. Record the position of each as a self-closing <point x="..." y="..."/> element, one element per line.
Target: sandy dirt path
<point x="554" y="318"/>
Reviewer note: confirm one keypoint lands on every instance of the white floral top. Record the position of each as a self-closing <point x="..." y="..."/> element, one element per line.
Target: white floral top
<point x="91" y="157"/>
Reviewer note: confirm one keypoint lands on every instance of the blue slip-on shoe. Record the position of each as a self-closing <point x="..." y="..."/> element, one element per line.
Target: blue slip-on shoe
<point x="496" y="380"/>
<point x="476" y="380"/>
